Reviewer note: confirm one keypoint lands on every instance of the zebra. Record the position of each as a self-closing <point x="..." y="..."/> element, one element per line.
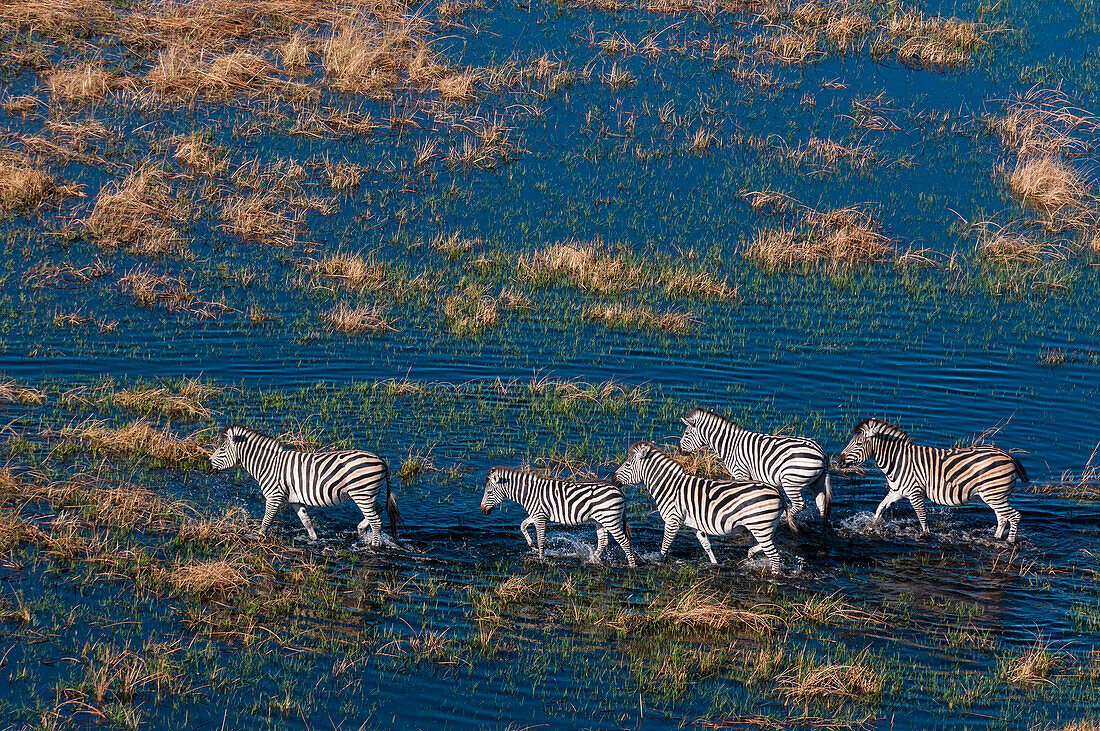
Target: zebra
<point x="317" y="479"/>
<point x="790" y="463"/>
<point x="711" y="507"/>
<point x="944" y="476"/>
<point x="570" y="503"/>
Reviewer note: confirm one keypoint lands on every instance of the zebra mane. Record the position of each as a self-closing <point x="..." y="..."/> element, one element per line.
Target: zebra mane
<point x="241" y="428"/>
<point x="878" y="427"/>
<point x="696" y="415"/>
<point x="540" y="475"/>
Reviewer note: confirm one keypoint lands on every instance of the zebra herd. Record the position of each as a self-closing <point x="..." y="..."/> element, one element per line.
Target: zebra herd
<point x="768" y="475"/>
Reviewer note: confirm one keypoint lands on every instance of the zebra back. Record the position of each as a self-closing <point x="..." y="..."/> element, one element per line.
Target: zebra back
<point x="780" y="460"/>
<point x="564" y="501"/>
<point x="713" y="506"/>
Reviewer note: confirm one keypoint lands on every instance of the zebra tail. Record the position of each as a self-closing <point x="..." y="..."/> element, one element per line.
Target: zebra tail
<point x="1020" y="469"/>
<point x="391" y="506"/>
<point x="828" y="501"/>
<point x="626" y="529"/>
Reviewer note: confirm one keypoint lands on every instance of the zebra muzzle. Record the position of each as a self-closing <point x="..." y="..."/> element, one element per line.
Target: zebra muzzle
<point x="485" y="509"/>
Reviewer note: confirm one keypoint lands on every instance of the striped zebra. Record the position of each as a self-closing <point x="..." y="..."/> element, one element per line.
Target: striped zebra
<point x="710" y="507"/>
<point x="792" y="464"/>
<point x="570" y="503"/>
<point x="317" y="479"/>
<point x="944" y="476"/>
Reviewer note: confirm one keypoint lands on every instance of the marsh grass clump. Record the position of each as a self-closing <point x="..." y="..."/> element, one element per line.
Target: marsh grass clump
<point x="827" y="682"/>
<point x="18" y="393"/>
<point x="80" y="84"/>
<point x="148" y="289"/>
<point x="138" y="214"/>
<point x="519" y="590"/>
<point x="922" y="41"/>
<point x="256" y="218"/>
<point x="204" y="578"/>
<point x="1032" y="667"/>
<point x="704" y="462"/>
<point x="1059" y="193"/>
<point x="296" y="53"/>
<point x="637" y="316"/>
<point x="138" y="439"/>
<point x="472" y="309"/>
<point x="841" y="239"/>
<point x="455" y="245"/>
<point x="371" y="56"/>
<point x="23" y="184"/>
<point x="585" y="265"/>
<point x="1043" y="122"/>
<point x="186" y="400"/>
<point x="360" y="273"/>
<point x="1084" y="485"/>
<point x="196" y="153"/>
<point x="181" y="73"/>
<point x="357" y="320"/>
<point x="700" y="606"/>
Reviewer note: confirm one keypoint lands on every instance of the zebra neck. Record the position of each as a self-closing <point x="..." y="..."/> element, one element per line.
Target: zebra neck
<point x="258" y="455"/>
<point x="891" y="457"/>
<point x="525" y="486"/>
<point x="661" y="475"/>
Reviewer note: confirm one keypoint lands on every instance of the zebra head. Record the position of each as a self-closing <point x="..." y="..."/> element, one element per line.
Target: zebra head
<point x="630" y="471"/>
<point x="228" y="454"/>
<point x="692" y="439"/>
<point x="494" y="489"/>
<point x="867" y="433"/>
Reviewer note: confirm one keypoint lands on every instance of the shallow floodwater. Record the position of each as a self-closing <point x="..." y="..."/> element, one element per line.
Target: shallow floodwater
<point x="948" y="357"/>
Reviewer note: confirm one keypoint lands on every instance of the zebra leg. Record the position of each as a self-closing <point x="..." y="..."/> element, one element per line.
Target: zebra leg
<point x="370" y="520"/>
<point x="528" y="522"/>
<point x="764" y="543"/>
<point x="601" y="543"/>
<point x="540" y="532"/>
<point x="917" y="501"/>
<point x="1008" y="518"/>
<point x="272" y="505"/>
<point x="624" y="542"/>
<point x="705" y="543"/>
<point x="891" y="497"/>
<point x="306" y="522"/>
<point x="794" y="494"/>
<point x="672" y="527"/>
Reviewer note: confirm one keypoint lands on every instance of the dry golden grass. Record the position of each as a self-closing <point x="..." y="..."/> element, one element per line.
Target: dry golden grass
<point x="838" y="239"/>
<point x="518" y="589"/>
<point x="470" y="310"/>
<point x="793" y="47"/>
<point x="81" y="84"/>
<point x="197" y="154"/>
<point x="1011" y="249"/>
<point x="1031" y="667"/>
<point x="1056" y="191"/>
<point x="357" y="320"/>
<point x="202" y="578"/>
<point x="365" y="55"/>
<point x="137" y="214"/>
<point x="254" y="218"/>
<point x="584" y="265"/>
<point x="354" y="271"/>
<point x="831" y="682"/>
<point x="74" y="17"/>
<point x="63" y="320"/>
<point x="186" y="400"/>
<point x="14" y="392"/>
<point x="1084" y="724"/>
<point x="149" y="289"/>
<point x="702" y="607"/>
<point x="1043" y="122"/>
<point x="638" y="316"/>
<point x="931" y="42"/>
<point x="22" y="183"/>
<point x="296" y="53"/>
<point x="16" y="532"/>
<point x="137" y="439"/>
<point x="704" y="462"/>
<point x="184" y="74"/>
<point x="342" y="175"/>
<point x="459" y="86"/>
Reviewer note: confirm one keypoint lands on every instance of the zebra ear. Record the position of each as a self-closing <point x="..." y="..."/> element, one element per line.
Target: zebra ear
<point x="685" y="421"/>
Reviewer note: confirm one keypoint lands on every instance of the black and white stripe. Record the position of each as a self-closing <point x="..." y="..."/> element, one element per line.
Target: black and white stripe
<point x="314" y="479"/>
<point x="570" y="503"/>
<point x="944" y="476"/>
<point x="710" y="507"/>
<point x="792" y="464"/>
